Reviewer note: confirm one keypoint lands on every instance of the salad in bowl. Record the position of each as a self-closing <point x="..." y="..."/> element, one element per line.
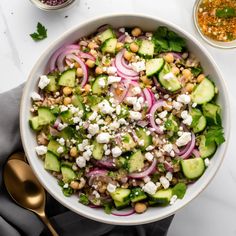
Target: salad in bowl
<point x="126" y="119"/>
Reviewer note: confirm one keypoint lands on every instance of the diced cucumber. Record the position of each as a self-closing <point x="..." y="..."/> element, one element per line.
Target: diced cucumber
<point x="212" y="113"/>
<point x="34" y="123"/>
<point x="67" y="78"/>
<point x="142" y="135"/>
<point x="96" y="88"/>
<point x="107" y="34"/>
<point x="153" y="66"/>
<point x="53" y="146"/>
<point x="136" y="162"/>
<point x="206" y="151"/>
<point x="193" y="168"/>
<point x="77" y="101"/>
<point x="98" y="150"/>
<point x="109" y="46"/>
<point x="51" y="162"/>
<point x="137" y="194"/>
<point x="67" y="133"/>
<point x="52" y="86"/>
<point x="179" y="190"/>
<point x="146" y="49"/>
<point x="204" y="92"/>
<point x="199" y="121"/>
<point x="127" y="142"/>
<point x="121" y="162"/>
<point x="171" y="84"/>
<point x="121" y="205"/>
<point x="67" y="174"/>
<point x="121" y="194"/>
<point x="162" y="196"/>
<point x="66" y="116"/>
<point x="45" y="116"/>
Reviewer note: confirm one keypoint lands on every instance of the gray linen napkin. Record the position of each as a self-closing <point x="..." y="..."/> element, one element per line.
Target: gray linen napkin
<point x="16" y="221"/>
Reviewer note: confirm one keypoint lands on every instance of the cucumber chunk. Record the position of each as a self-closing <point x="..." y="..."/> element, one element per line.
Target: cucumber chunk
<point x="153" y="66"/>
<point x="121" y="194"/>
<point x="142" y="135"/>
<point x="127" y="142"/>
<point x="137" y="194"/>
<point x="51" y="162"/>
<point x="121" y="205"/>
<point x="146" y="49"/>
<point x="77" y="101"/>
<point x="67" y="133"/>
<point x="162" y="196"/>
<point x="199" y="121"/>
<point x="136" y="162"/>
<point x="52" y="86"/>
<point x="204" y="92"/>
<point x="34" y="123"/>
<point x="212" y="113"/>
<point x="107" y="34"/>
<point x="206" y="151"/>
<point x="45" y="116"/>
<point x="53" y="146"/>
<point x="171" y="84"/>
<point x="98" y="150"/>
<point x="67" y="78"/>
<point x="66" y="116"/>
<point x="109" y="46"/>
<point x="96" y="88"/>
<point x="67" y="173"/>
<point x="193" y="168"/>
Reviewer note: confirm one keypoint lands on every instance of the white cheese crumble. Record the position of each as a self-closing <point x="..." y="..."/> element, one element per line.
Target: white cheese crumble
<point x="173" y="199"/>
<point x="116" y="151"/>
<point x="93" y="116"/>
<point x="111" y="70"/>
<point x="169" y="76"/>
<point x="96" y="194"/>
<point x="146" y="179"/>
<point x="43" y="82"/>
<point x="194" y="104"/>
<point x="105" y="107"/>
<point x="207" y="162"/>
<point x="150" y="188"/>
<point x="41" y="150"/>
<point x="80" y="161"/>
<point x="149" y="148"/>
<point x="168" y="147"/>
<point x="103" y="138"/>
<point x="187" y="119"/>
<point x="63" y="108"/>
<point x="136" y="90"/>
<point x="102" y="82"/>
<point x="114" y="125"/>
<point x="149" y="156"/>
<point x="87" y="154"/>
<point x="118" y="110"/>
<point x="138" y="66"/>
<point x="183" y="139"/>
<point x="93" y="129"/>
<point x="164" y="182"/>
<point x="184" y="98"/>
<point x="162" y="114"/>
<point x="158" y="121"/>
<point x="177" y="105"/>
<point x="60" y="150"/>
<point x="61" y="141"/>
<point x="111" y="188"/>
<point x="169" y="176"/>
<point x="113" y="79"/>
<point x="122" y="121"/>
<point x="135" y="115"/>
<point x="35" y="96"/>
<point x="131" y="100"/>
<point x="61" y="126"/>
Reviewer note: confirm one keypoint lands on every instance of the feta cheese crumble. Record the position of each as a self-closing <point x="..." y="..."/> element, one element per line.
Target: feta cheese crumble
<point x="80" y="161"/>
<point x="113" y="79"/>
<point x="111" y="188"/>
<point x="138" y="66"/>
<point x="103" y="138"/>
<point x="164" y="182"/>
<point x="149" y="156"/>
<point x="184" y="139"/>
<point x="150" y="188"/>
<point x="41" y="150"/>
<point x="187" y="119"/>
<point x="35" y="96"/>
<point x="184" y="98"/>
<point x="93" y="129"/>
<point x="116" y="151"/>
<point x="135" y="115"/>
<point x="43" y="82"/>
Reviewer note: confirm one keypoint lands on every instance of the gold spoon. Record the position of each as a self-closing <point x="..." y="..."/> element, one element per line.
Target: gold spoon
<point x="25" y="189"/>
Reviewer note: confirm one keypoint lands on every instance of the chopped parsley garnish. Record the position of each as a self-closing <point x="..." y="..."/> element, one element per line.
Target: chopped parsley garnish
<point x="179" y="190"/>
<point x="83" y="199"/>
<point x="107" y="208"/>
<point x="40" y="34"/>
<point x="215" y="134"/>
<point x="196" y="71"/>
<point x="226" y="12"/>
<point x="67" y="191"/>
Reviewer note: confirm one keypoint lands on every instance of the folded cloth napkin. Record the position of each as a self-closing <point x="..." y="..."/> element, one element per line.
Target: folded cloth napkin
<point x="16" y="221"/>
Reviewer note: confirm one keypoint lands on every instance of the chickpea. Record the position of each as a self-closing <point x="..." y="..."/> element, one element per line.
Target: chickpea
<point x="134" y="47"/>
<point x="189" y="87"/>
<point x="200" y="78"/>
<point x="145" y="80"/>
<point x="119" y="46"/>
<point x="140" y="207"/>
<point x="98" y="70"/>
<point x="73" y="152"/>
<point x="90" y="63"/>
<point x="79" y="72"/>
<point x="187" y="73"/>
<point x="175" y="70"/>
<point x="67" y="90"/>
<point x="67" y="101"/>
<point x="136" y="32"/>
<point x="93" y="52"/>
<point x="128" y="55"/>
<point x="169" y="57"/>
<point x="92" y="45"/>
<point x="87" y="88"/>
<point x="74" y="184"/>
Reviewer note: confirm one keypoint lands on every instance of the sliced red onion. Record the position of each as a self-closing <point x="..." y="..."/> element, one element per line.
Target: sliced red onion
<point x="96" y="172"/>
<point x="196" y="153"/>
<point x="87" y="56"/>
<point x="142" y="123"/>
<point x="109" y="164"/>
<point x="168" y="167"/>
<point x="121" y="38"/>
<point x="82" y="65"/>
<point x="191" y="147"/>
<point x="152" y="112"/>
<point x="125" y="64"/>
<point x="145" y="173"/>
<point x="93" y="206"/>
<point x="56" y="123"/>
<point x="128" y="213"/>
<point x="148" y="98"/>
<point x="184" y="149"/>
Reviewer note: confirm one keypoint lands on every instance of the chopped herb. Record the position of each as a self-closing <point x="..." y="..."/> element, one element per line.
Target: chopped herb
<point x="107" y="208"/>
<point x="226" y="12"/>
<point x="179" y="190"/>
<point x="155" y="177"/>
<point x="196" y="71"/>
<point x="86" y="50"/>
<point x="83" y="199"/>
<point x="40" y="34"/>
<point x="67" y="191"/>
<point x="215" y="134"/>
<point x="161" y="167"/>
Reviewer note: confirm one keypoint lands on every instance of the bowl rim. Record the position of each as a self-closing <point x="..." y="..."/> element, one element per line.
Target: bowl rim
<point x="212" y="42"/>
<point x="26" y="92"/>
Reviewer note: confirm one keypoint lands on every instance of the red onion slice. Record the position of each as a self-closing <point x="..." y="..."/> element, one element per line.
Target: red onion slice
<point x="196" y="153"/>
<point x="184" y="150"/>
<point x="82" y="65"/>
<point x="121" y="38"/>
<point x="168" y="167"/>
<point x="87" y="56"/>
<point x="131" y="212"/>
<point x="97" y="172"/>
<point x="148" y="98"/>
<point x="190" y="149"/>
<point x="106" y="164"/>
<point x="156" y="106"/>
<point x="145" y="173"/>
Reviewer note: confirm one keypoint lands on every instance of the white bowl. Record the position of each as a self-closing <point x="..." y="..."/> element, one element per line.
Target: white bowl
<point x="28" y="137"/>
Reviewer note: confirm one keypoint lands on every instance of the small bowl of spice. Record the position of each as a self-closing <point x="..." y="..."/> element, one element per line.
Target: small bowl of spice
<point x="53" y="5"/>
<point x="215" y="21"/>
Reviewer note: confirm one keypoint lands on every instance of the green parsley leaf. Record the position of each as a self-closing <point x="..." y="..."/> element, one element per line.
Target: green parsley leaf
<point x="83" y="199"/>
<point x="196" y="71"/>
<point x="67" y="191"/>
<point x="215" y="134"/>
<point x="179" y="190"/>
<point x="40" y="34"/>
<point x="226" y="12"/>
<point x="107" y="208"/>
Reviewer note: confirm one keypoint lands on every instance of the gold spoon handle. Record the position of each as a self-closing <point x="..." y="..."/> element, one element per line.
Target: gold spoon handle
<point x="46" y="221"/>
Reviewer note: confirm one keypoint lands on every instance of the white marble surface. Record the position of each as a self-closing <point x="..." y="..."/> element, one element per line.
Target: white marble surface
<point x="213" y="213"/>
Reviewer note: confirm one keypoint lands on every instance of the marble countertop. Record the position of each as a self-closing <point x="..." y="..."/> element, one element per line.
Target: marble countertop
<point x="213" y="213"/>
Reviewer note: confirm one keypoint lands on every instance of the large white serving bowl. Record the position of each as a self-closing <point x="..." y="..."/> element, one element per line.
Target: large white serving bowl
<point x="29" y="141"/>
